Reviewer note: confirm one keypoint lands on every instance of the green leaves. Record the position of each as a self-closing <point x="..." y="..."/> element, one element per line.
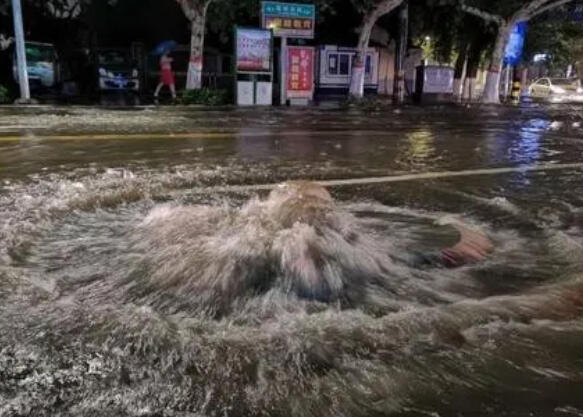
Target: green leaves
<point x="4" y="97"/>
<point x="206" y="97"/>
<point x="557" y="37"/>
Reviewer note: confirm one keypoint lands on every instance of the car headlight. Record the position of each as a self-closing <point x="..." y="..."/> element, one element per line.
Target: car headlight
<point x="557" y="90"/>
<point x="579" y="90"/>
<point x="135" y="73"/>
<point x="102" y="72"/>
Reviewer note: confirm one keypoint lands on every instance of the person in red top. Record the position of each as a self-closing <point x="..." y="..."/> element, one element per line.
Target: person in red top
<point x="166" y="75"/>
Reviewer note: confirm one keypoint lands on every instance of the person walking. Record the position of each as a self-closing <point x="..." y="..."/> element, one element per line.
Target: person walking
<point x="166" y="75"/>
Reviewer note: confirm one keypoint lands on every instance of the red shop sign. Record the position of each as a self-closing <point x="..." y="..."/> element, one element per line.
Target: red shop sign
<point x="300" y="72"/>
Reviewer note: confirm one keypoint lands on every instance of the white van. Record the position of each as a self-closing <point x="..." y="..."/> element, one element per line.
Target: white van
<point x="43" y="66"/>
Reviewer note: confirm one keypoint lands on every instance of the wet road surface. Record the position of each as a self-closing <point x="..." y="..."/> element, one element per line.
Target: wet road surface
<point x="145" y="268"/>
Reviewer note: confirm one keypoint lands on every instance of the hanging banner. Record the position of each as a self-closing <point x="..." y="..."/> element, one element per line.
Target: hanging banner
<point x="289" y="20"/>
<point x="253" y="50"/>
<point x="513" y="52"/>
<point x="300" y="72"/>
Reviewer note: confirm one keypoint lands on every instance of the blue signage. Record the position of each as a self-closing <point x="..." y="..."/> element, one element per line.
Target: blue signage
<point x="290" y="20"/>
<point x="513" y="52"/>
<point x="277" y="9"/>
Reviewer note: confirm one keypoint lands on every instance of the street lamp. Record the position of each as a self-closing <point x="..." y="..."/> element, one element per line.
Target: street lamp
<point x="20" y="51"/>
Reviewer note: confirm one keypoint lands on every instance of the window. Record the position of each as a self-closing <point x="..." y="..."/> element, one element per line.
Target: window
<point x="565" y="82"/>
<point x="39" y="53"/>
<point x="339" y="64"/>
<point x="344" y="66"/>
<point x="112" y="58"/>
<point x="333" y="64"/>
<point x="368" y="65"/>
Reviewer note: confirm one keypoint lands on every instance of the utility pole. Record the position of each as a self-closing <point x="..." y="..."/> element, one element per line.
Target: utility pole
<point x="283" y="71"/>
<point x="20" y="51"/>
<point x="401" y="50"/>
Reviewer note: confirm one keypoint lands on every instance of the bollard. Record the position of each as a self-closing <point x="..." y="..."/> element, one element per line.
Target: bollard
<point x="515" y="94"/>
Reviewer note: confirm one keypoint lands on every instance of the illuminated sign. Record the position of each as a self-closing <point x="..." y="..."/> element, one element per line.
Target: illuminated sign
<point x="253" y="50"/>
<point x="289" y="19"/>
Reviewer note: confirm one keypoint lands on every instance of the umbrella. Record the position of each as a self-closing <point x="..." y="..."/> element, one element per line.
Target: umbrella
<point x="166" y="46"/>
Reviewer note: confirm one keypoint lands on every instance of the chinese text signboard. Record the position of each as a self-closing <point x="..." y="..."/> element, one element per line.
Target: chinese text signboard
<point x="438" y="80"/>
<point x="300" y="70"/>
<point x="289" y="19"/>
<point x="253" y="50"/>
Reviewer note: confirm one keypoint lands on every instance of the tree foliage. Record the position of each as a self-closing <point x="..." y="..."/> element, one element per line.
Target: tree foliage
<point x="563" y="48"/>
<point x="451" y="29"/>
<point x="507" y="11"/>
<point x="62" y="9"/>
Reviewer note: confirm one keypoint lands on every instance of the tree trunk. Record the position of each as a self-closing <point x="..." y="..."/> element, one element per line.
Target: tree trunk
<point x="469" y="88"/>
<point x="463" y="79"/>
<point x="358" y="64"/>
<point x="461" y="67"/>
<point x="492" y="88"/>
<point x="194" y="77"/>
<point x="524" y="81"/>
<point x="381" y="8"/>
<point x="401" y="52"/>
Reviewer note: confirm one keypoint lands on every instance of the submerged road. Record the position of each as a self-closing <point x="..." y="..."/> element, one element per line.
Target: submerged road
<point x="146" y="270"/>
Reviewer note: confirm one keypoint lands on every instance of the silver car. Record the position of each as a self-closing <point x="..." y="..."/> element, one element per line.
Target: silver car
<point x="556" y="89"/>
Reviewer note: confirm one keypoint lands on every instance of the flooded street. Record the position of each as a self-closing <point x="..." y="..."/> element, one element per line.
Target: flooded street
<point x="151" y="265"/>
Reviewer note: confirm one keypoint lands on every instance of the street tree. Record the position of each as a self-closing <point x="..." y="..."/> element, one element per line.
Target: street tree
<point x="372" y="10"/>
<point x="453" y="37"/>
<point x="196" y="12"/>
<point x="504" y="16"/>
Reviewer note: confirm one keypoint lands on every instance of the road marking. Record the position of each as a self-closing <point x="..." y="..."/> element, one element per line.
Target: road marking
<point x="191" y="135"/>
<point x="402" y="178"/>
<point x="449" y="174"/>
<point x="116" y="136"/>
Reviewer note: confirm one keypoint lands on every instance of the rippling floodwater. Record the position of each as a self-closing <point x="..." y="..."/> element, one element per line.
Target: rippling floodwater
<point x="150" y="275"/>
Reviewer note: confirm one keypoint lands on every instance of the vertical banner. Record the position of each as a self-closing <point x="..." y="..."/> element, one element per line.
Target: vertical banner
<point x="300" y="72"/>
<point x="253" y="50"/>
